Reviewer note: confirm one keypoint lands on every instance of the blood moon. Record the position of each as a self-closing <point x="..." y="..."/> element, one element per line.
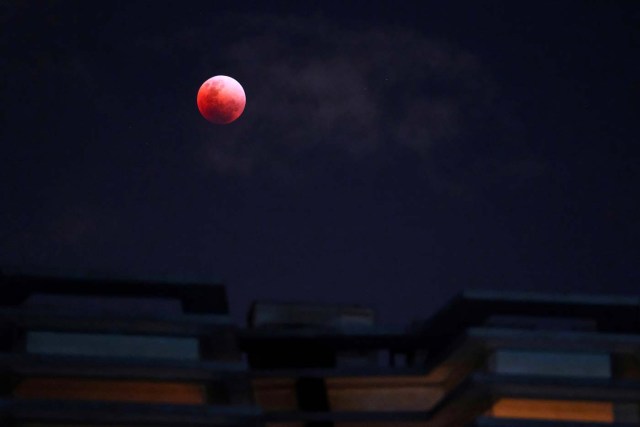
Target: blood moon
<point x="221" y="100"/>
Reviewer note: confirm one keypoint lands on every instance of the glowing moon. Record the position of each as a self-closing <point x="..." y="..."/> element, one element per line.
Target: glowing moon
<point x="221" y="100"/>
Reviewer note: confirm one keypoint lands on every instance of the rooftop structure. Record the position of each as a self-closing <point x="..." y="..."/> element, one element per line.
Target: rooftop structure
<point x="84" y="353"/>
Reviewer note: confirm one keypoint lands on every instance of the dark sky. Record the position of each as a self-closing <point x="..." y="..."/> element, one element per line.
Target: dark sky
<point x="390" y="154"/>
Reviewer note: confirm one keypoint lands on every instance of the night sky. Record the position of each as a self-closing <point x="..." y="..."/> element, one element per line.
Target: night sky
<point x="390" y="154"/>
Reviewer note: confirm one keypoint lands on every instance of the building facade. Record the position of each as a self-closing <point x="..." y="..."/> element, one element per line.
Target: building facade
<point x="85" y="352"/>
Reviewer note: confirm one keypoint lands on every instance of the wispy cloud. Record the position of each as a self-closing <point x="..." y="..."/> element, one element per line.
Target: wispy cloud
<point x="360" y="90"/>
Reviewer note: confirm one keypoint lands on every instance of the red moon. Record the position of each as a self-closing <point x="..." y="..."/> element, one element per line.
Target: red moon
<point x="221" y="100"/>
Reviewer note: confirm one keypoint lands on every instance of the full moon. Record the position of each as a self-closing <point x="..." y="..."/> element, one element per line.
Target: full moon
<point x="221" y="100"/>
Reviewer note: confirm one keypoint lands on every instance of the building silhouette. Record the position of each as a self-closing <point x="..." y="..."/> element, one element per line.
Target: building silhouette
<point x="79" y="352"/>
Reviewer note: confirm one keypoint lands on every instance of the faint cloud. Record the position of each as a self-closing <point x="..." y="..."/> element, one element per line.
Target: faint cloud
<point x="74" y="227"/>
<point x="227" y="160"/>
<point x="311" y="84"/>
